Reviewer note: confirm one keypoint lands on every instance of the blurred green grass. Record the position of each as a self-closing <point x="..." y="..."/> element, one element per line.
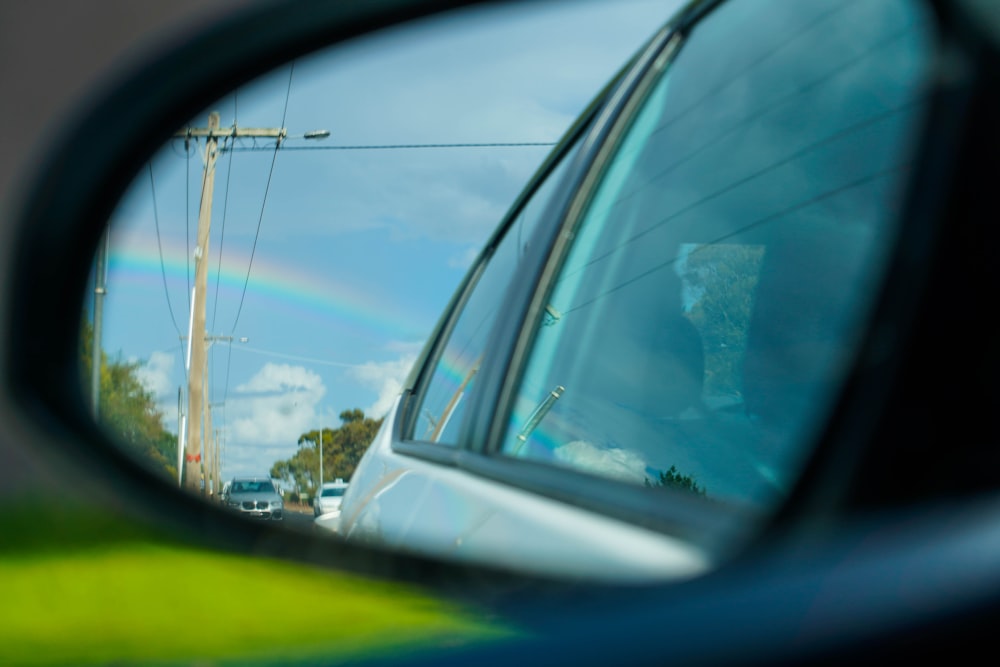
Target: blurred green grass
<point x="111" y="592"/>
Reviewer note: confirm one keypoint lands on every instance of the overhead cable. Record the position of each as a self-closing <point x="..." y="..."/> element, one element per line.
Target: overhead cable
<point x="159" y="246"/>
<point x="263" y="203"/>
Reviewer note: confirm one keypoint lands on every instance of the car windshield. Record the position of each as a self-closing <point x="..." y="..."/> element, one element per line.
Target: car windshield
<point x="252" y="487"/>
<point x="332" y="492"/>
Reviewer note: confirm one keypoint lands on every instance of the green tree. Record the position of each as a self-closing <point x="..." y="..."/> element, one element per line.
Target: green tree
<point x="724" y="278"/>
<point x="126" y="409"/>
<point x="673" y="479"/>
<point x="343" y="448"/>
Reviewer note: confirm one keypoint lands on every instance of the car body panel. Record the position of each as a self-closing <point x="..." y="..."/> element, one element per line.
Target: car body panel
<point x="643" y="399"/>
<point x="330" y="521"/>
<point x="411" y="504"/>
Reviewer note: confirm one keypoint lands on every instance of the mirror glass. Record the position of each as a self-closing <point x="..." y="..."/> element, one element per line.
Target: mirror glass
<point x="311" y="226"/>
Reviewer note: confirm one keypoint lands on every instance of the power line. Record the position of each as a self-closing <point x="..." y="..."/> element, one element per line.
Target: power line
<point x="229" y="359"/>
<point x="222" y="238"/>
<point x="745" y="228"/>
<point x="293" y="357"/>
<point x="159" y="246"/>
<point x="733" y="185"/>
<point x="802" y="90"/>
<point x="187" y="149"/>
<point x="783" y="44"/>
<point x="384" y="147"/>
<point x="263" y="203"/>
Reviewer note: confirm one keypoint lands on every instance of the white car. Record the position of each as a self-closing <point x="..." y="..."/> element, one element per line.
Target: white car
<point x="631" y="379"/>
<point x="329" y="497"/>
<point x="329" y="522"/>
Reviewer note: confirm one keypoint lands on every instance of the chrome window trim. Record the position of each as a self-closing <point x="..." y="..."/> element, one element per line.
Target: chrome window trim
<point x="634" y="505"/>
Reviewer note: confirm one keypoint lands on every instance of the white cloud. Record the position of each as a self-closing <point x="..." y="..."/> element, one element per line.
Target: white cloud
<point x="282" y="378"/>
<point x="613" y="462"/>
<point x="523" y="77"/>
<point x="386" y="378"/>
<point x="240" y="459"/>
<point x="278" y="405"/>
<point x="155" y="374"/>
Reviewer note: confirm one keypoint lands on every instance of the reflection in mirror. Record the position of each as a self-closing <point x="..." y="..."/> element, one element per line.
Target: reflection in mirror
<point x="268" y="279"/>
<point x="725" y="269"/>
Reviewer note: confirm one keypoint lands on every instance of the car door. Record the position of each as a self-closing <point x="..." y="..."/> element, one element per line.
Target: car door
<point x="406" y="488"/>
<point x="650" y="342"/>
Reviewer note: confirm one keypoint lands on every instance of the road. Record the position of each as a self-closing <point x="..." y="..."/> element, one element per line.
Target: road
<point x="299" y="519"/>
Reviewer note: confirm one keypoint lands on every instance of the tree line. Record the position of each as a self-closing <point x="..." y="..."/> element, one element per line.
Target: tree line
<point x="128" y="412"/>
<point x="342" y="448"/>
<point x="126" y="409"/>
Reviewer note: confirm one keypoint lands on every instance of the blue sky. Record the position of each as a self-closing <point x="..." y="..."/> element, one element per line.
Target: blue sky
<point x="358" y="251"/>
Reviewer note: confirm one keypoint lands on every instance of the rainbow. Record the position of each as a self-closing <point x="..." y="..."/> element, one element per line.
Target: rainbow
<point x="287" y="287"/>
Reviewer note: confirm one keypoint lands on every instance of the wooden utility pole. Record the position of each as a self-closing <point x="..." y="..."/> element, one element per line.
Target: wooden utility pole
<point x="197" y="342"/>
<point x="196" y="382"/>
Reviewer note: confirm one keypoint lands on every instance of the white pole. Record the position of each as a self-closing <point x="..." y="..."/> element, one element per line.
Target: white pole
<point x="187" y="361"/>
<point x="180" y="450"/>
<point x="182" y="436"/>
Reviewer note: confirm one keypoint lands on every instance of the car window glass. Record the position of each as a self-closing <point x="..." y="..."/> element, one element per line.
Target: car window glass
<point x="718" y="282"/>
<point x="443" y="404"/>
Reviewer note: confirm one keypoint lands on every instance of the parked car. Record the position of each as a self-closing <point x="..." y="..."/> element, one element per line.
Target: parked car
<point x="329" y="497"/>
<point x="255" y="497"/>
<point x="730" y="348"/>
<point x="654" y="338"/>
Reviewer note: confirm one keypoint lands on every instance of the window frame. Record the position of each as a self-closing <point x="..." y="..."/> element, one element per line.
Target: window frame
<point x="485" y="425"/>
<point x="685" y="515"/>
<point x="416" y="386"/>
<point x="582" y="138"/>
<point x="476" y="450"/>
<point x="692" y="518"/>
